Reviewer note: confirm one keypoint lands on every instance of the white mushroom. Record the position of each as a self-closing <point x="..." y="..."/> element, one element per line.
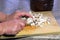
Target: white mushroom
<point x="29" y="20"/>
<point x="32" y="24"/>
<point x="24" y="18"/>
<point x="38" y="19"/>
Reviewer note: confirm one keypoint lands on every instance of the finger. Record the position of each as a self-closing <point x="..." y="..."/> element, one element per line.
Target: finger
<point x="13" y="30"/>
<point x="22" y="23"/>
<point x="21" y="13"/>
<point x="21" y="20"/>
<point x="1" y="30"/>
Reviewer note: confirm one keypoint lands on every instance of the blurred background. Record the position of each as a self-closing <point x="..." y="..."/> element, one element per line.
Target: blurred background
<point x="43" y="5"/>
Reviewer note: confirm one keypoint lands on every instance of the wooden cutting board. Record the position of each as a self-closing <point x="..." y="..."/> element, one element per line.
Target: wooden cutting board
<point x="46" y="29"/>
<point x="52" y="28"/>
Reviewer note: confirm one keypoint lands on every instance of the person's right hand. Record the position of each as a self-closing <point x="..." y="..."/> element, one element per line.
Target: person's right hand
<point x="12" y="26"/>
<point x="18" y="14"/>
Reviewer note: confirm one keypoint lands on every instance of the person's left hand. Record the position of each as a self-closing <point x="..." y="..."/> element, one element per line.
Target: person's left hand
<point x="12" y="27"/>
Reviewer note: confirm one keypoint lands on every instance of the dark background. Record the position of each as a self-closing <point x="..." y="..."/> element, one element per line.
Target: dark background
<point x="41" y="5"/>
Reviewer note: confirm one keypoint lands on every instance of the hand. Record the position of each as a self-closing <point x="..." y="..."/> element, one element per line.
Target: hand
<point x="21" y="13"/>
<point x="12" y="26"/>
<point x="18" y="14"/>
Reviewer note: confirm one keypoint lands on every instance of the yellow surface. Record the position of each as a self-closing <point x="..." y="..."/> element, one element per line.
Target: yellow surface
<point x="51" y="28"/>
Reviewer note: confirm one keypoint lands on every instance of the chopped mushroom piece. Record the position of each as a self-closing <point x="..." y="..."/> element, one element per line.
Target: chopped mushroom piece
<point x="38" y="19"/>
